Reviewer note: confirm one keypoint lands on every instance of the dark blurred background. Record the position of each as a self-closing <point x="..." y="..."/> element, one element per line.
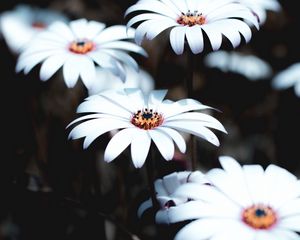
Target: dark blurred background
<point x="52" y="189"/>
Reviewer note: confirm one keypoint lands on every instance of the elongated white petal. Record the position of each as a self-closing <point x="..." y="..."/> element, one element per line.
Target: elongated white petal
<point x="71" y="70"/>
<point x="127" y="46"/>
<point x="177" y="36"/>
<point x="116" y="32"/>
<point x="118" y="143"/>
<point x="164" y="143"/>
<point x="51" y="65"/>
<point x="195" y="129"/>
<point x="156" y="97"/>
<point x="87" y="71"/>
<point x="178" y="139"/>
<point x="195" y="39"/>
<point x="140" y="146"/>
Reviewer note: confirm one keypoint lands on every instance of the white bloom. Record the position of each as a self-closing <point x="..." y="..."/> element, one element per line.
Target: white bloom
<point x="165" y="188"/>
<point x="247" y="203"/>
<point x="287" y="78"/>
<point x="142" y="119"/>
<point x="105" y="80"/>
<point x="78" y="47"/>
<point x="20" y="25"/>
<point x="188" y="19"/>
<point x="260" y="7"/>
<point x="249" y="66"/>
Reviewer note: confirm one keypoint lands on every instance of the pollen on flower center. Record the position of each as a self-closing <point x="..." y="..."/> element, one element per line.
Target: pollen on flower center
<point x="191" y="18"/>
<point x="81" y="46"/>
<point x="147" y="119"/>
<point x="259" y="216"/>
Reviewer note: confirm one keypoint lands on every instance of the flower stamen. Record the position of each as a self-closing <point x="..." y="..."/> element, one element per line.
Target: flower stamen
<point x="259" y="217"/>
<point x="81" y="46"/>
<point x="191" y="18"/>
<point x="147" y="119"/>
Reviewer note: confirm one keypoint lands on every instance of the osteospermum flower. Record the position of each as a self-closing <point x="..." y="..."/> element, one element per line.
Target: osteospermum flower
<point x="165" y="188"/>
<point x="21" y="24"/>
<point x="287" y="78"/>
<point x="142" y="118"/>
<point x="105" y="80"/>
<point x="250" y="66"/>
<point x="189" y="19"/>
<point x="78" y="47"/>
<point x="249" y="203"/>
<point x="261" y="7"/>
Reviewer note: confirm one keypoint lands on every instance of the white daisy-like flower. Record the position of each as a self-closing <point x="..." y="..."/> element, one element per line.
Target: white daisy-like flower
<point x="249" y="203"/>
<point x="287" y="78"/>
<point x="105" y="80"/>
<point x="142" y="118"/>
<point x="165" y="188"/>
<point x="250" y="66"/>
<point x="189" y="19"/>
<point x="78" y="47"/>
<point x="260" y="7"/>
<point x="21" y="24"/>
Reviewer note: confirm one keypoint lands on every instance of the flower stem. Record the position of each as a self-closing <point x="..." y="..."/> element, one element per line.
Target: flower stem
<point x="189" y="84"/>
<point x="150" y="175"/>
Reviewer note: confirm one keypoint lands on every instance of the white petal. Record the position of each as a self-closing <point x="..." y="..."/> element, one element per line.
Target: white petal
<point x="113" y="33"/>
<point x="71" y="70"/>
<point x="87" y="71"/>
<point x="143" y="207"/>
<point x="214" y="35"/>
<point x="178" y="139"/>
<point x="202" y="229"/>
<point x="79" y="28"/>
<point x="51" y="65"/>
<point x="291" y="223"/>
<point x="118" y="143"/>
<point x="140" y="146"/>
<point x="61" y="29"/>
<point x="205" y="119"/>
<point x="232" y="186"/>
<point x="290" y="208"/>
<point x="127" y="46"/>
<point x="194" y="128"/>
<point x="152" y="6"/>
<point x="177" y="36"/>
<point x="195" y="38"/>
<point x="163" y="142"/>
<point x="156" y="97"/>
<point x="93" y="28"/>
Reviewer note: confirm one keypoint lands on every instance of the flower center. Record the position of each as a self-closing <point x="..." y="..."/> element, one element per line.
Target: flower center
<point x="191" y="18"/>
<point x="259" y="217"/>
<point x="81" y="46"/>
<point x="38" y="25"/>
<point x="147" y="119"/>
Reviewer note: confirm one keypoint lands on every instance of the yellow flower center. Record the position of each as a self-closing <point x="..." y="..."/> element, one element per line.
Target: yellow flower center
<point x="259" y="216"/>
<point x="190" y="19"/>
<point x="147" y="119"/>
<point x="81" y="46"/>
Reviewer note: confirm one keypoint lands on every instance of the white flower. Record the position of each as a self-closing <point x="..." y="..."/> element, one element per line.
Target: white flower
<point x="249" y="66"/>
<point x="105" y="80"/>
<point x="247" y="203"/>
<point x="188" y="19"/>
<point x="260" y="7"/>
<point x="142" y="119"/>
<point x="287" y="78"/>
<point x="20" y="25"/>
<point x="78" y="47"/>
<point x="165" y="188"/>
